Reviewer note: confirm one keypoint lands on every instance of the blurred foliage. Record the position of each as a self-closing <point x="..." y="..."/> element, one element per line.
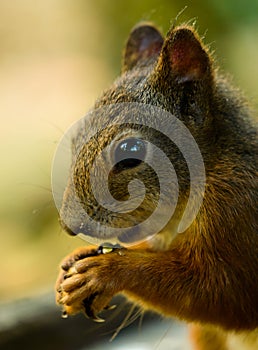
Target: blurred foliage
<point x="55" y="58"/>
<point x="216" y="17"/>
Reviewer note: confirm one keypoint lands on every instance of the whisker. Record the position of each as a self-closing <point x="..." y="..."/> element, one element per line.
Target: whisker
<point x="162" y="337"/>
<point x="36" y="186"/>
<point x="56" y="127"/>
<point x="141" y="320"/>
<point x="124" y="322"/>
<point x="48" y="204"/>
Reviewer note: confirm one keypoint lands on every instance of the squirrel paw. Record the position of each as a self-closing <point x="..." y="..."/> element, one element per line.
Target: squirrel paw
<point x="88" y="281"/>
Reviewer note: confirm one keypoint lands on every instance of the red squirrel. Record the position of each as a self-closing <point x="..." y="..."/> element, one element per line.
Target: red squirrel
<point x="206" y="275"/>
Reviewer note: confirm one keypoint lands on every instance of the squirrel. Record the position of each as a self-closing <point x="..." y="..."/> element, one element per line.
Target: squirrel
<point x="206" y="275"/>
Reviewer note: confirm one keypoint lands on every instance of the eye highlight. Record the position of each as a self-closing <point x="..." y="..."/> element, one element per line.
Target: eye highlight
<point x="129" y="153"/>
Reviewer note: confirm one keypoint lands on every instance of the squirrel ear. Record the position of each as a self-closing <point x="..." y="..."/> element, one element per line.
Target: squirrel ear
<point x="183" y="56"/>
<point x="145" y="41"/>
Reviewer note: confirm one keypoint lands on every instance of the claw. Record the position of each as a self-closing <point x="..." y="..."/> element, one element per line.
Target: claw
<point x="90" y="314"/>
<point x="64" y="314"/>
<point x="87" y="306"/>
<point x="110" y="307"/>
<point x="98" y="319"/>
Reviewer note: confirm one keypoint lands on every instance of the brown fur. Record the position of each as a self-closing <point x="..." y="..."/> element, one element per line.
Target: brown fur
<point x="208" y="274"/>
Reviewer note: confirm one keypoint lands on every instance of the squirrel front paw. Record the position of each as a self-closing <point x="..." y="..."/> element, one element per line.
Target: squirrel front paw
<point x="88" y="280"/>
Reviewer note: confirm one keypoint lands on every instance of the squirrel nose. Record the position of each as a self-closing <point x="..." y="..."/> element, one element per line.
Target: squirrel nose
<point x="66" y="228"/>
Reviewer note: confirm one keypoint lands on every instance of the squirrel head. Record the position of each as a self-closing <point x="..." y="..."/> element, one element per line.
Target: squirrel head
<point x="175" y="73"/>
<point x="172" y="75"/>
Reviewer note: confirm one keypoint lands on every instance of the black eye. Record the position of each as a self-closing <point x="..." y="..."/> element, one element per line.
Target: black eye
<point x="129" y="153"/>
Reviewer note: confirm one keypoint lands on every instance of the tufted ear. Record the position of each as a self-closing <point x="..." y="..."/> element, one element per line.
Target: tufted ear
<point x="145" y="41"/>
<point x="183" y="57"/>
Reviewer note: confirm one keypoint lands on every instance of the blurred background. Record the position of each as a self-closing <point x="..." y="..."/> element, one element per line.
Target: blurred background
<point x="56" y="56"/>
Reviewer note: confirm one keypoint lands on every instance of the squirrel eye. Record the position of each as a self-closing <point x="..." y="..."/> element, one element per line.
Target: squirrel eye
<point x="129" y="153"/>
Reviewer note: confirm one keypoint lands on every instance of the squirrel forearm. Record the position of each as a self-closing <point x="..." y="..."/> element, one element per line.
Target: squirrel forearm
<point x="171" y="285"/>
